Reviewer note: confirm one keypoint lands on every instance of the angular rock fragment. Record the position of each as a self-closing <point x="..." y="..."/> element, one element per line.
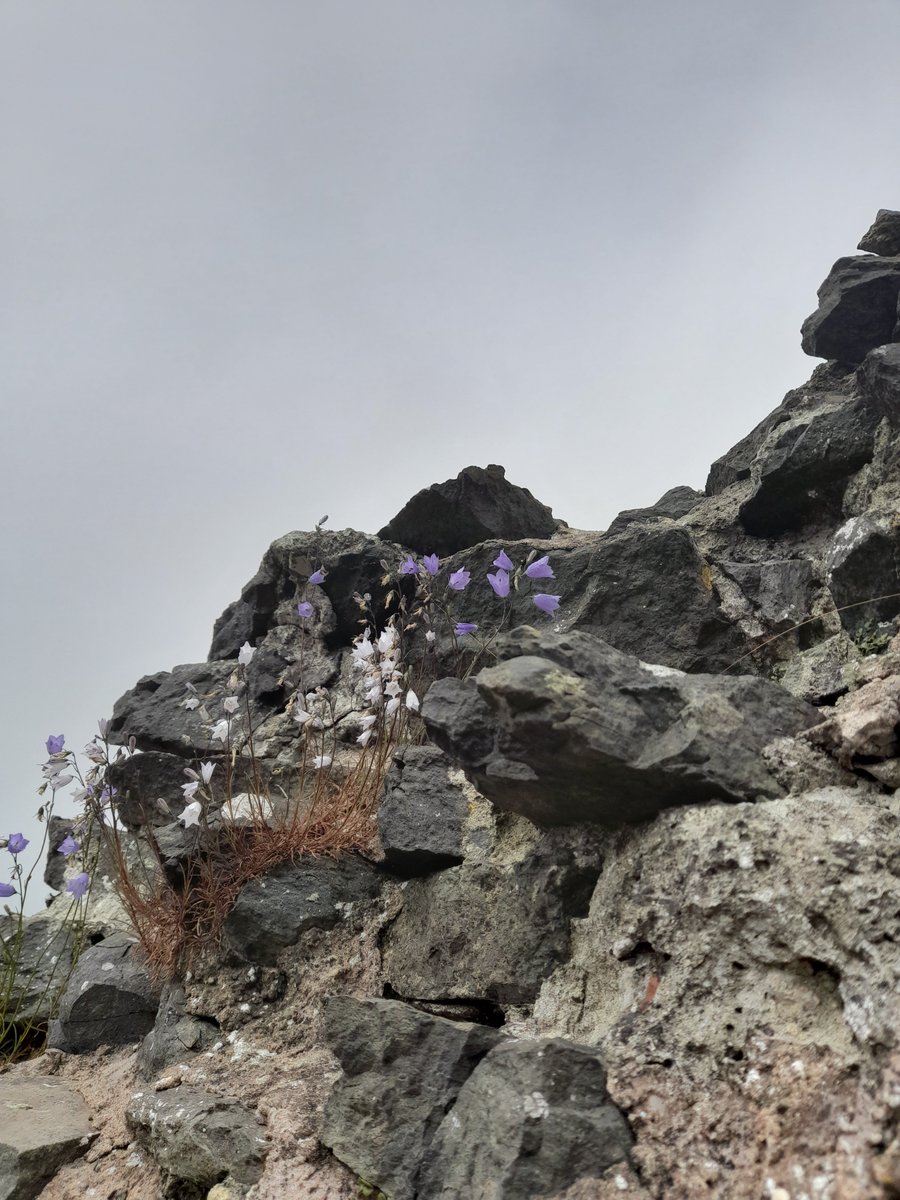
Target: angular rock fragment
<point x="778" y="589"/>
<point x="402" y="1071"/>
<point x="857" y="309"/>
<point x="883" y="235"/>
<point x="42" y="967"/>
<point x="198" y="1138"/>
<point x="110" y="999"/>
<point x="175" y="1035"/>
<point x="862" y="570"/>
<point x="421" y="815"/>
<point x="489" y="930"/>
<point x="532" y="1119"/>
<point x="580" y="732"/>
<point x="879" y="381"/>
<point x="674" y="503"/>
<point x="801" y="470"/>
<point x="272" y="912"/>
<point x="44" y="1124"/>
<point x="476" y="506"/>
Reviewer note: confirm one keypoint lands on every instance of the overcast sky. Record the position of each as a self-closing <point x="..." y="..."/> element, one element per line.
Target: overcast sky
<point x="263" y="261"/>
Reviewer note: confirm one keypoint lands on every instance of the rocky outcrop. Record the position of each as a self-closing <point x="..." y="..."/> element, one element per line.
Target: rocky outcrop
<point x="479" y="505"/>
<point x="44" y="1125"/>
<point x="625" y="919"/>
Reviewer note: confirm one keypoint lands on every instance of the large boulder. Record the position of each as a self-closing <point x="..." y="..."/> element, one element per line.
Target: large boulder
<point x="492" y="930"/>
<point x="572" y="730"/>
<point x="532" y="1119"/>
<point x="673" y="504"/>
<point x="477" y="505"/>
<point x="402" y="1071"/>
<point x="863" y="573"/>
<point x="857" y="309"/>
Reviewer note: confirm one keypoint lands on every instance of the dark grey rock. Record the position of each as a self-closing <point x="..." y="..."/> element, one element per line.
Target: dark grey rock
<point x="857" y="309"/>
<point x="584" y="733"/>
<point x="801" y="472"/>
<point x="43" y="965"/>
<point x="197" y="1138"/>
<point x="883" y="235"/>
<point x="532" y="1119"/>
<point x="58" y="830"/>
<point x="110" y="999"/>
<point x="862" y="564"/>
<point x="879" y="381"/>
<point x="272" y="912"/>
<point x="142" y="780"/>
<point x="490" y="930"/>
<point x="676" y="502"/>
<point x="153" y="710"/>
<point x="45" y="1125"/>
<point x="647" y="590"/>
<point x="817" y="674"/>
<point x="422" y="814"/>
<point x="779" y="589"/>
<point x="402" y="1071"/>
<point x="176" y="1034"/>
<point x="353" y="564"/>
<point x="479" y="504"/>
<point x="827" y="384"/>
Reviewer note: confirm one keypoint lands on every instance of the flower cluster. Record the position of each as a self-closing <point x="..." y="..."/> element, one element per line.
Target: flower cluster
<point x="383" y="677"/>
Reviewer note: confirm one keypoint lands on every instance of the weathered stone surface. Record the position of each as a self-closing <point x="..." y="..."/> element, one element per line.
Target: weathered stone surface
<point x="674" y="503"/>
<point x="857" y="309"/>
<point x="153" y="710"/>
<point x="110" y="999"/>
<point x="883" y="235"/>
<point x="142" y="780"/>
<point x="493" y="929"/>
<point x="532" y="1119"/>
<point x="272" y="912"/>
<point x="879" y="381"/>
<point x="865" y="723"/>
<point x="43" y="1125"/>
<point x="176" y="1034"/>
<point x="479" y="504"/>
<point x="402" y="1071"/>
<point x="801" y="470"/>
<point x="421" y="815"/>
<point x="198" y="1138"/>
<point x="740" y="964"/>
<point x="573" y="730"/>
<point x="863" y="564"/>
<point x="817" y="674"/>
<point x="828" y="382"/>
<point x="778" y="589"/>
<point x="352" y="562"/>
<point x="58" y="830"/>
<point x="44" y="960"/>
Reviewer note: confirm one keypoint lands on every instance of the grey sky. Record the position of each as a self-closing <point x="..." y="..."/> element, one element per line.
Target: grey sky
<point x="267" y="260"/>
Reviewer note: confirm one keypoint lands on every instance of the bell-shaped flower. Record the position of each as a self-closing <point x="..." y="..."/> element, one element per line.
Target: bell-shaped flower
<point x="245" y="654"/>
<point x="409" y="567"/>
<point x="301" y="716"/>
<point x="412" y="701"/>
<point x="364" y="737"/>
<point x="190" y="789"/>
<point x="219" y="731"/>
<point x="392" y="705"/>
<point x="16" y="843"/>
<point x="190" y="814"/>
<point x="503" y="561"/>
<point x="459" y="580"/>
<point x="6" y="890"/>
<point x="55" y="743"/>
<point x="60" y="781"/>
<point x="68" y="846"/>
<point x="103" y="726"/>
<point x="305" y="610"/>
<point x="190" y="703"/>
<point x="547" y="604"/>
<point x="500" y="583"/>
<point x="464" y="627"/>
<point x="78" y="885"/>
<point x="206" y="770"/>
<point x="431" y="563"/>
<point x="430" y="636"/>
<point x="230" y="704"/>
<point x="321" y="761"/>
<point x="318" y="576"/>
<point x="540" y="569"/>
